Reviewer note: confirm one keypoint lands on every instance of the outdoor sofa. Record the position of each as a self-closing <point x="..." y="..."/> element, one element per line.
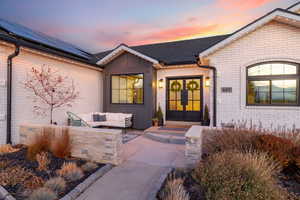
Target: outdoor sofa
<point x="97" y="120"/>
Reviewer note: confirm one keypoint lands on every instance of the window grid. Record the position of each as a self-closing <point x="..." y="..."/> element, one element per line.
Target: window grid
<point x="122" y="92"/>
<point x="294" y="76"/>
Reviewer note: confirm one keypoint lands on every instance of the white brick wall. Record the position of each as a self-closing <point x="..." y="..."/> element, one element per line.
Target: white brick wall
<point x="274" y="41"/>
<point x="88" y="83"/>
<point x="4" y="52"/>
<point x="175" y="72"/>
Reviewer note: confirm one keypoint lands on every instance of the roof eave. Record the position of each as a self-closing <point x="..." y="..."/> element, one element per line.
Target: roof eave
<point x="294" y="8"/>
<point x="188" y="62"/>
<point x="277" y="13"/>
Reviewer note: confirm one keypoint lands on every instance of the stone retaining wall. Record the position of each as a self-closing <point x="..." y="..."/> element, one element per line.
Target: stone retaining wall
<point x="99" y="145"/>
<point x="193" y="144"/>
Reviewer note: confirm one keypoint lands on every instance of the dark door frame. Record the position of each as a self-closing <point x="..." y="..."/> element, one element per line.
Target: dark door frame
<point x="184" y="77"/>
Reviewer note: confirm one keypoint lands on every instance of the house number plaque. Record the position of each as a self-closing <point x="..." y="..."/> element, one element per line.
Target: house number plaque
<point x="226" y="89"/>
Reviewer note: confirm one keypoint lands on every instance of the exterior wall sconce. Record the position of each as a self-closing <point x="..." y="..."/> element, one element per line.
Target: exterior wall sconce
<point x="161" y="83"/>
<point x="207" y="82"/>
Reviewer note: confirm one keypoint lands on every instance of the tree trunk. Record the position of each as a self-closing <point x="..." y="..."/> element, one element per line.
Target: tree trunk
<point x="51" y="115"/>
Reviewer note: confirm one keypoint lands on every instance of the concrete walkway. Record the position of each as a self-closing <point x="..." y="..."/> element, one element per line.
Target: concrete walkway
<point x="139" y="177"/>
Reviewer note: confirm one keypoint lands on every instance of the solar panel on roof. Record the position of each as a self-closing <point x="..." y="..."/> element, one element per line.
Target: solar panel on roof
<point x="44" y="39"/>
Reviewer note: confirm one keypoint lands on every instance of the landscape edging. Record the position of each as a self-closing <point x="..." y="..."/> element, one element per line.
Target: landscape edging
<point x="4" y="194"/>
<point x="158" y="183"/>
<point x="79" y="189"/>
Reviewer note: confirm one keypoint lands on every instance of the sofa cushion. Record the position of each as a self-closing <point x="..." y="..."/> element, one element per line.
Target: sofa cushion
<point x="119" y="124"/>
<point x="96" y="124"/>
<point x="113" y="117"/>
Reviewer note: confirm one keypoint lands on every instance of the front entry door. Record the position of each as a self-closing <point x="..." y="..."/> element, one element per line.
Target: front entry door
<point x="184" y="99"/>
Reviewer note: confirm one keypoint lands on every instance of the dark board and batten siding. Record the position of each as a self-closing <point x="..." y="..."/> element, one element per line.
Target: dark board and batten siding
<point x="131" y="64"/>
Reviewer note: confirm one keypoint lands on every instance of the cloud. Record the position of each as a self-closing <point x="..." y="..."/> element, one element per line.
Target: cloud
<point x="202" y="19"/>
<point x="179" y="32"/>
<point x="112" y="38"/>
<point x="242" y="5"/>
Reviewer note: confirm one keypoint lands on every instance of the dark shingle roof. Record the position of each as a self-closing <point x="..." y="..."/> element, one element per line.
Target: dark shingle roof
<point x="172" y="53"/>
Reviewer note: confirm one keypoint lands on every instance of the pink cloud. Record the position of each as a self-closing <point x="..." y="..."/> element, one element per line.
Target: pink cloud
<point x="242" y="5"/>
<point x="114" y="38"/>
<point x="178" y="32"/>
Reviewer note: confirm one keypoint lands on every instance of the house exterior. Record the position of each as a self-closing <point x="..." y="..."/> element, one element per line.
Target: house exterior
<point x="86" y="75"/>
<point x="252" y="74"/>
<point x="260" y="62"/>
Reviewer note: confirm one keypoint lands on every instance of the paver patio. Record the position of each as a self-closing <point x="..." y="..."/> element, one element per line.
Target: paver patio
<point x="139" y="177"/>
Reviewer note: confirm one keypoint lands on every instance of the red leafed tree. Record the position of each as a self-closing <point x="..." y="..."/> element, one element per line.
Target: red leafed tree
<point x="50" y="90"/>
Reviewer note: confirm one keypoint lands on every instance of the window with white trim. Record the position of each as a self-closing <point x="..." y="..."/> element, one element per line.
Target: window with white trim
<point x="273" y="83"/>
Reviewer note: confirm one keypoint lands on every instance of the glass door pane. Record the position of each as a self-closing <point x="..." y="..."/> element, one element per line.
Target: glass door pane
<point x="175" y="89"/>
<point x="193" y="87"/>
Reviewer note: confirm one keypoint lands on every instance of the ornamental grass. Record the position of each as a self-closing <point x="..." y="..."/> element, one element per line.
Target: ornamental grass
<point x="236" y="175"/>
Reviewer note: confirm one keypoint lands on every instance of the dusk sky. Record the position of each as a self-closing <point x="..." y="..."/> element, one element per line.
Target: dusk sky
<point x="97" y="25"/>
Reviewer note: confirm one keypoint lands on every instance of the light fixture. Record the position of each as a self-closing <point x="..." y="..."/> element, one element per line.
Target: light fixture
<point x="161" y="83"/>
<point x="207" y="81"/>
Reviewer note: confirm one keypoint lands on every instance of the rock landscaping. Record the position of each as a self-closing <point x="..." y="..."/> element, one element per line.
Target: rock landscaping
<point x="44" y="169"/>
<point x="240" y="163"/>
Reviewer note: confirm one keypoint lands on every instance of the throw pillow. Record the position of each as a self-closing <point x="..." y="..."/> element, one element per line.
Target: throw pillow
<point x="102" y="118"/>
<point x="96" y="118"/>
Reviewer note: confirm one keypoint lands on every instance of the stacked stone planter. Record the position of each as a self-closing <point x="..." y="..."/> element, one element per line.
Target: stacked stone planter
<point x="99" y="145"/>
<point x="193" y="144"/>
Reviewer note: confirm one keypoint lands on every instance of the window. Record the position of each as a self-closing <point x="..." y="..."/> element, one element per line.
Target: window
<point x="127" y="89"/>
<point x="273" y="83"/>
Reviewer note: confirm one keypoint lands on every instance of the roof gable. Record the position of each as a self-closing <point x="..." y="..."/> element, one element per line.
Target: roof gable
<point x="120" y="50"/>
<point x="279" y="15"/>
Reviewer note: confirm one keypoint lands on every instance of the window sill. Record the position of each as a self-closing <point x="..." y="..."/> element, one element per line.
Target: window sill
<point x="273" y="107"/>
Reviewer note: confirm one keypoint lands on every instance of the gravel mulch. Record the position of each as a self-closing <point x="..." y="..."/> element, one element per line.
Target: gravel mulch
<point x="18" y="158"/>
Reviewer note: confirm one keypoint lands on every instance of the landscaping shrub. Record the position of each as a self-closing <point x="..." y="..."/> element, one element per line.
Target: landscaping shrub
<point x="277" y="147"/>
<point x="4" y="164"/>
<point x="174" y="190"/>
<point x="219" y="140"/>
<point x="43" y="161"/>
<point x="89" y="166"/>
<point x="296" y="155"/>
<point x="41" y="143"/>
<point x="43" y="194"/>
<point x="33" y="183"/>
<point x="7" y="148"/>
<point x="296" y="161"/>
<point x="13" y="176"/>
<point x="70" y="171"/>
<point x="236" y="176"/>
<point x="62" y="144"/>
<point x="57" y="184"/>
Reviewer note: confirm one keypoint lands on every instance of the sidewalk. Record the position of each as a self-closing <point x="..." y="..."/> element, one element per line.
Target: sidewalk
<point x="140" y="176"/>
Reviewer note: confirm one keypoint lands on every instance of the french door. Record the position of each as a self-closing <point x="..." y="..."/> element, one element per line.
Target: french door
<point x="184" y="99"/>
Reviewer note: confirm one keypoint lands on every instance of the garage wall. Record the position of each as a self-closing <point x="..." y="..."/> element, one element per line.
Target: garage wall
<point x="4" y="52"/>
<point x="88" y="82"/>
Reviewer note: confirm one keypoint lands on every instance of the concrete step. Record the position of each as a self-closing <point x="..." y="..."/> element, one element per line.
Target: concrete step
<point x="182" y="135"/>
<point x="169" y="138"/>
